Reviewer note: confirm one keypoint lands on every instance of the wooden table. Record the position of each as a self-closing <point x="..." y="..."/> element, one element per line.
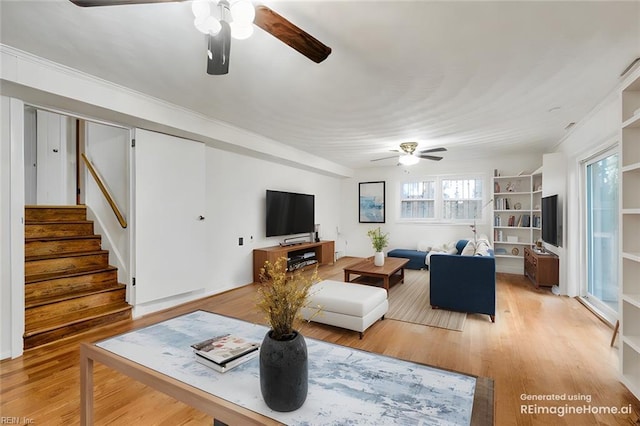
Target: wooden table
<point x="224" y="412"/>
<point x="160" y="357"/>
<point x="390" y="273"/>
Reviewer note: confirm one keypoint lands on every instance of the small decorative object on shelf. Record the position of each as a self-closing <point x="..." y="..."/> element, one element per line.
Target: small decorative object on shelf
<point x="511" y="187"/>
<point x="284" y="374"/>
<point x="379" y="241"/>
<point x="515" y="251"/>
<point x="496" y="187"/>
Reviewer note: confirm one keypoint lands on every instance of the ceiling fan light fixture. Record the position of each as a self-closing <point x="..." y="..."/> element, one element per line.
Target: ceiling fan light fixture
<point x="243" y="12"/>
<point x="241" y="30"/>
<point x="207" y="25"/>
<point x="408" y="160"/>
<point x="200" y="8"/>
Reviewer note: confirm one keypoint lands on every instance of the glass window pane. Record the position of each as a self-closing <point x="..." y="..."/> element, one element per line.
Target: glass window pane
<point x="412" y="190"/>
<point x="602" y="230"/>
<point x="417" y="209"/>
<point x="462" y="198"/>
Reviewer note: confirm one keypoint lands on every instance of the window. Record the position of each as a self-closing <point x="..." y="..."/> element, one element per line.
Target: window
<point x="461" y="199"/>
<point x="442" y="198"/>
<point x="418" y="199"/>
<point x="602" y="240"/>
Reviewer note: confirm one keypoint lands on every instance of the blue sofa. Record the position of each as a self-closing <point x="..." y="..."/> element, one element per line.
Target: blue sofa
<point x="416" y="258"/>
<point x="463" y="283"/>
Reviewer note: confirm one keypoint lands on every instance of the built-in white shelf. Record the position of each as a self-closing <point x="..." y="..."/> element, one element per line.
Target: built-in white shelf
<point x="515" y="243"/>
<point x="629" y="311"/>
<point x="634" y="299"/>
<point x="631" y="256"/>
<point x="631" y="168"/>
<point x="633" y="122"/>
<point x="632" y="341"/>
<point x="526" y="194"/>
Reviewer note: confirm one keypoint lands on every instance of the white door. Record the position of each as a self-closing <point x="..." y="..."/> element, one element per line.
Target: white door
<point x="169" y="211"/>
<point x="55" y="180"/>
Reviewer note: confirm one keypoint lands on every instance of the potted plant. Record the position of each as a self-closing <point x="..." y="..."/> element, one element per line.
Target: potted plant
<point x="283" y="354"/>
<point x="379" y="241"/>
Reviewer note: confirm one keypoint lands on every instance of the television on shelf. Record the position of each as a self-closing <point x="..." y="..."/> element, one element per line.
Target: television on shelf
<point x="289" y="213"/>
<point x="550" y="220"/>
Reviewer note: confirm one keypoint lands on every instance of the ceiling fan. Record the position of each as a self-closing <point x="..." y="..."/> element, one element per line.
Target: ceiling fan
<point x="409" y="158"/>
<point x="219" y="30"/>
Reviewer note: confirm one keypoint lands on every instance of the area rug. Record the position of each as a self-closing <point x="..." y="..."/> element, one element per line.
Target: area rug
<point x="409" y="302"/>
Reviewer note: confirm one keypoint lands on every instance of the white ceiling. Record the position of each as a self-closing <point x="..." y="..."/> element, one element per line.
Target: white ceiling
<point x="479" y="78"/>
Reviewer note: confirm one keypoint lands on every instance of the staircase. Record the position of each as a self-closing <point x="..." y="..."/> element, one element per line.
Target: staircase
<point x="69" y="285"/>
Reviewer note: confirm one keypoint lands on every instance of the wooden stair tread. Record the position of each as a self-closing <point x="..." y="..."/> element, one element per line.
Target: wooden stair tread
<point x="45" y="300"/>
<point x="44" y="206"/>
<point x="62" y="255"/>
<point x="29" y="279"/>
<point x="63" y="238"/>
<point x="68" y="319"/>
<point x="56" y="222"/>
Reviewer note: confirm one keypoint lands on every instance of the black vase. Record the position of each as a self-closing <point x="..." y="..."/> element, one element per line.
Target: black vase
<point x="284" y="373"/>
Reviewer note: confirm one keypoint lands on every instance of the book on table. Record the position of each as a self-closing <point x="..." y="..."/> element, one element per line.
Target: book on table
<point x="224" y="350"/>
<point x="221" y="368"/>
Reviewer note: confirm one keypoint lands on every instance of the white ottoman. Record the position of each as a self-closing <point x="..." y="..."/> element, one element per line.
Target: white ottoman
<point x="351" y="306"/>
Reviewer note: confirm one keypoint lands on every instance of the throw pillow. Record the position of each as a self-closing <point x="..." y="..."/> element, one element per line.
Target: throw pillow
<point x="469" y="249"/>
<point x="423" y="246"/>
<point x="460" y="245"/>
<point x="482" y="249"/>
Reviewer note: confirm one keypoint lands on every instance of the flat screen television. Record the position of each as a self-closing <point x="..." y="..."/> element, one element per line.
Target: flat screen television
<point x="289" y="213"/>
<point x="550" y="220"/>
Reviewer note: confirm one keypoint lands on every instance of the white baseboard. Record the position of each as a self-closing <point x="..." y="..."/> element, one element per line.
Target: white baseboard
<point x="510" y="269"/>
<point x="171" y="302"/>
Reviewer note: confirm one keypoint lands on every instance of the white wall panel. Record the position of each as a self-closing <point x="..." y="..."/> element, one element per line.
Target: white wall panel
<point x="170" y="197"/>
<point x="107" y="147"/>
<point x="236" y="188"/>
<point x="11" y="227"/>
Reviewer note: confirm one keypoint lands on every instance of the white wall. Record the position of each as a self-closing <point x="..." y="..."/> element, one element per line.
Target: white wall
<point x="554" y="182"/>
<point x="599" y="130"/>
<point x="107" y="147"/>
<point x="353" y="239"/>
<point x="5" y="229"/>
<point x="11" y="227"/>
<point x="236" y="187"/>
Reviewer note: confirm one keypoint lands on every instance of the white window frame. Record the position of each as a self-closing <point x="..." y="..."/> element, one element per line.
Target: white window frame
<point x="439" y="200"/>
<point x="435" y="200"/>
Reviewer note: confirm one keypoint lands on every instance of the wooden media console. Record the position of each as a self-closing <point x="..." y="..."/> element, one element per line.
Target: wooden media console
<point x="323" y="254"/>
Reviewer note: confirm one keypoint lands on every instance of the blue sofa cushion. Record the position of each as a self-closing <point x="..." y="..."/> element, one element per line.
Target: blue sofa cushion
<point x="460" y="245"/>
<point x="416" y="258"/>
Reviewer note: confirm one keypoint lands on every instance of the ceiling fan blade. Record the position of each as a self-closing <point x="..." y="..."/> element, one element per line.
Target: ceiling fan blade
<point x="92" y="3"/>
<point x="429" y="157"/>
<point x="285" y="31"/>
<point x="385" y="158"/>
<point x="426" y="151"/>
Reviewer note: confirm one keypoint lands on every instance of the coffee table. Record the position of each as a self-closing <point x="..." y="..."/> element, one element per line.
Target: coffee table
<point x="390" y="273"/>
<point x="346" y="385"/>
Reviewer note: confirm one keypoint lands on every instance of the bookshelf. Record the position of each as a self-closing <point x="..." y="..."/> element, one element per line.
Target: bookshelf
<point x="629" y="285"/>
<point x="517" y="218"/>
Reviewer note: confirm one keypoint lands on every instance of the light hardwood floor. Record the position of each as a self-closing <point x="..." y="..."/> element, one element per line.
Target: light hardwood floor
<point x="541" y="344"/>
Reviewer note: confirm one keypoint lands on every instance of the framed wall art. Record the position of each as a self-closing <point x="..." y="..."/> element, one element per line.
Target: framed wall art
<point x="371" y="200"/>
